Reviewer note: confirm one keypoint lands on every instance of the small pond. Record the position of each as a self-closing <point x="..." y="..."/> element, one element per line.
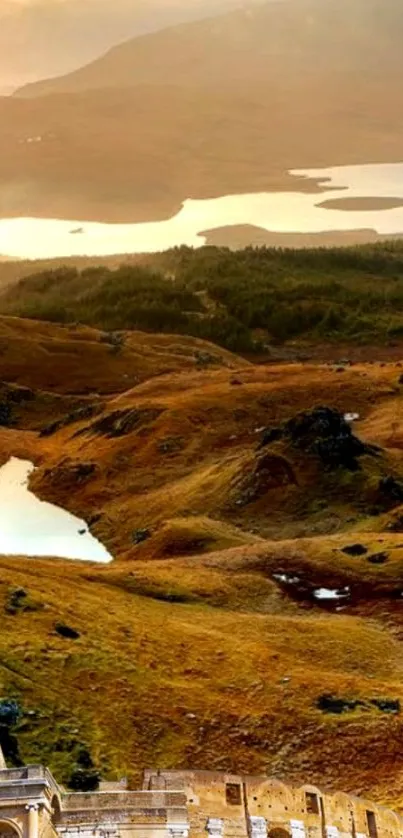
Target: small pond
<point x="30" y="527"/>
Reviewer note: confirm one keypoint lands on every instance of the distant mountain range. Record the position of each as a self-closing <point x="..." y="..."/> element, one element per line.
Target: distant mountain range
<point x="40" y="38"/>
<point x="255" y="44"/>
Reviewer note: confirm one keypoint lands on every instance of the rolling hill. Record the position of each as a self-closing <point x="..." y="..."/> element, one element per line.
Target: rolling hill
<point x="255" y="44"/>
<point x="49" y="37"/>
<point x="205" y="642"/>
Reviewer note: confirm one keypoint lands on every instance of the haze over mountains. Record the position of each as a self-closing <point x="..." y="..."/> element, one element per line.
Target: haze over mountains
<point x="257" y="43"/>
<point x="217" y="106"/>
<point x="40" y="38"/>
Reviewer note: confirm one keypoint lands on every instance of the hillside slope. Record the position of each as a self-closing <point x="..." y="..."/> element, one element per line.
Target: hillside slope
<point x="77" y="360"/>
<point x="51" y="37"/>
<point x="205" y="643"/>
<point x="251" y="45"/>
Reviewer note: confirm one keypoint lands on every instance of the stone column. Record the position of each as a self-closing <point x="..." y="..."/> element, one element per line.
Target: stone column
<point x="33" y="820"/>
<point x="215" y="827"/>
<point x="297" y="829"/>
<point x="178" y="830"/>
<point x="258" y="827"/>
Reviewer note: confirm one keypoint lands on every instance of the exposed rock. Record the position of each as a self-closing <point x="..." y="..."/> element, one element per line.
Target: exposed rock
<point x="12" y="395"/>
<point x="332" y="704"/>
<point x="67" y="631"/>
<point x="325" y="433"/>
<point x="113" y="338"/>
<point x="93" y="519"/>
<point x="82" y="470"/>
<point x="391" y="488"/>
<point x="396" y="525"/>
<point x="17" y="394"/>
<point x="206" y="359"/>
<point x="275" y="469"/>
<point x="70" y="474"/>
<point x="78" y="415"/>
<point x="122" y="422"/>
<point x="138" y="536"/>
<point x="271" y="435"/>
<point x="378" y="558"/>
<point x="170" y="445"/>
<point x="5" y="414"/>
<point x="270" y="471"/>
<point x="115" y="341"/>
<point x="18" y="600"/>
<point x="355" y="550"/>
<point x="387" y="705"/>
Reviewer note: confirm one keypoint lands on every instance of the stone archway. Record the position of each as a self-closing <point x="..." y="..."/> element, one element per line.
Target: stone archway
<point x="9" y="829"/>
<point x="278" y="832"/>
<point x="55" y="810"/>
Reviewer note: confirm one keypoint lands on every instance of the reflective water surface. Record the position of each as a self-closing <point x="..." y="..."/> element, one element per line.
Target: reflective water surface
<point x="30" y="527"/>
<point x="277" y="212"/>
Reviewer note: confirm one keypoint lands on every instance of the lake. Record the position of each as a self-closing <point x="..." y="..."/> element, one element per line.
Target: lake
<point x="30" y="527"/>
<point x="351" y="198"/>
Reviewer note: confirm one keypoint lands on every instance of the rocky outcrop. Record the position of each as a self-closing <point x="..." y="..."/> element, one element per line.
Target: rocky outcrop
<point x="5" y="415"/>
<point x="391" y="489"/>
<point x="141" y="535"/>
<point x="79" y="415"/>
<point x="355" y="550"/>
<point x="333" y="704"/>
<point x="324" y="433"/>
<point x="67" y="632"/>
<point x="69" y="475"/>
<point x="270" y="472"/>
<point x="122" y="422"/>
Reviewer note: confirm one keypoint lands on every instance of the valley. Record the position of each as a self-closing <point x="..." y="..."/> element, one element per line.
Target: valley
<point x="257" y="541"/>
<point x="201" y="381"/>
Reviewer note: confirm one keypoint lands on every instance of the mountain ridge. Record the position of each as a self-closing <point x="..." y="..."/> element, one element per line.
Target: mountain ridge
<point x="251" y="44"/>
<point x="51" y="37"/>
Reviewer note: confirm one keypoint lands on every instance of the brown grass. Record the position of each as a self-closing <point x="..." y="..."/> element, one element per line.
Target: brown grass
<point x="191" y="623"/>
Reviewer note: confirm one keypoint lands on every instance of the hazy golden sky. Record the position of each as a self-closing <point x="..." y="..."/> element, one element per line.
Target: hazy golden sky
<point x="41" y="38"/>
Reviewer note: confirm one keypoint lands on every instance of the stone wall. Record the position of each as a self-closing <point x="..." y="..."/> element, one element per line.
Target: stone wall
<point x="230" y="806"/>
<point x="185" y="804"/>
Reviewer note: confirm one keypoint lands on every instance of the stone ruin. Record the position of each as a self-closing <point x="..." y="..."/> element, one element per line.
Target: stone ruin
<point x="184" y="804"/>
